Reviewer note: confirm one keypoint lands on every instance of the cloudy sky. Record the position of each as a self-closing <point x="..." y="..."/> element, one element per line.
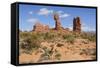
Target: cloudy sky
<point x="30" y="14"/>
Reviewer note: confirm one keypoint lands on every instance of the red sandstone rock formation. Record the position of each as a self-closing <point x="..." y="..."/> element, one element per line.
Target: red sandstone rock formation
<point x="38" y="27"/>
<point x="77" y="25"/>
<point x="57" y="22"/>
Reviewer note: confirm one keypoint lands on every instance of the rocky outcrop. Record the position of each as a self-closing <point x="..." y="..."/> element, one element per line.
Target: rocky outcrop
<point x="57" y="22"/>
<point x="38" y="27"/>
<point x="77" y="25"/>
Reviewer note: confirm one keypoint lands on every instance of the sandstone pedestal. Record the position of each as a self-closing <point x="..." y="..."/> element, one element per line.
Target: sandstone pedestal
<point x="57" y="22"/>
<point x="77" y="25"/>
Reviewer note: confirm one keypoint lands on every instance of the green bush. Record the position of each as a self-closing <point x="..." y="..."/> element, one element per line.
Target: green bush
<point x="46" y="55"/>
<point x="24" y="34"/>
<point x="49" y="36"/>
<point x="90" y="37"/>
<point x="88" y="51"/>
<point x="29" y="44"/>
<point x="69" y="38"/>
<point x="47" y="51"/>
<point x="58" y="55"/>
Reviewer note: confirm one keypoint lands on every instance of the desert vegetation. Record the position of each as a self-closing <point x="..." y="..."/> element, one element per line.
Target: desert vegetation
<point x="51" y="46"/>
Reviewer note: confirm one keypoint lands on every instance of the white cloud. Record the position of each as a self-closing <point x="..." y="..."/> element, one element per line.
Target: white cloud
<point x="32" y="20"/>
<point x="85" y="28"/>
<point x="44" y="11"/>
<point x="64" y="15"/>
<point x="88" y="28"/>
<point x="60" y="12"/>
<point x="30" y="12"/>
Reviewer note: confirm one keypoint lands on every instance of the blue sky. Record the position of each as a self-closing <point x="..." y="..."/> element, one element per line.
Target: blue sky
<point x="30" y="14"/>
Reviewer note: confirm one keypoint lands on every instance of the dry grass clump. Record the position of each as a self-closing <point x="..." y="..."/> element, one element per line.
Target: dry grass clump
<point x="58" y="56"/>
<point x="28" y="43"/>
<point x="89" y="36"/>
<point x="90" y="52"/>
<point x="46" y="55"/>
<point x="69" y="38"/>
<point x="60" y="45"/>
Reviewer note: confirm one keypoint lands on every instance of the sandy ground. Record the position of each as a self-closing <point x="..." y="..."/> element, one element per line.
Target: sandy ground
<point x="68" y="52"/>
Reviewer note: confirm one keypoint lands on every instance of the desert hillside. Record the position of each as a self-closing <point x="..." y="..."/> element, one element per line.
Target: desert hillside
<point x="53" y="46"/>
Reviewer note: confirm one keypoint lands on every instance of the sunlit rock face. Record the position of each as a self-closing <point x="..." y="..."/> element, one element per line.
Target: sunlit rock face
<point x="38" y="27"/>
<point x="77" y="25"/>
<point x="57" y="22"/>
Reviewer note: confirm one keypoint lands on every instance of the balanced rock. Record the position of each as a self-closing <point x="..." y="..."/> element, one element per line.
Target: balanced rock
<point x="57" y="22"/>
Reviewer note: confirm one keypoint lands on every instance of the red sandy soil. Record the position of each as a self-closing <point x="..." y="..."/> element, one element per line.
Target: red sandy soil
<point x="69" y="52"/>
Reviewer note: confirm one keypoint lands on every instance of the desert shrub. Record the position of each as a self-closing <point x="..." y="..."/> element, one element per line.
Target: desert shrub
<point x="25" y="44"/>
<point x="47" y="51"/>
<point x="27" y="52"/>
<point x="91" y="51"/>
<point x="88" y="51"/>
<point x="43" y="57"/>
<point x="32" y="36"/>
<point x="83" y="51"/>
<point x="69" y="38"/>
<point x="93" y="57"/>
<point x="76" y="35"/>
<point x="24" y="34"/>
<point x="90" y="37"/>
<point x="35" y="37"/>
<point x="29" y="45"/>
<point x="49" y="36"/>
<point x="43" y="36"/>
<point x="35" y="45"/>
<point x="59" y="45"/>
<point x="58" y="56"/>
<point x="46" y="55"/>
<point x="85" y="41"/>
